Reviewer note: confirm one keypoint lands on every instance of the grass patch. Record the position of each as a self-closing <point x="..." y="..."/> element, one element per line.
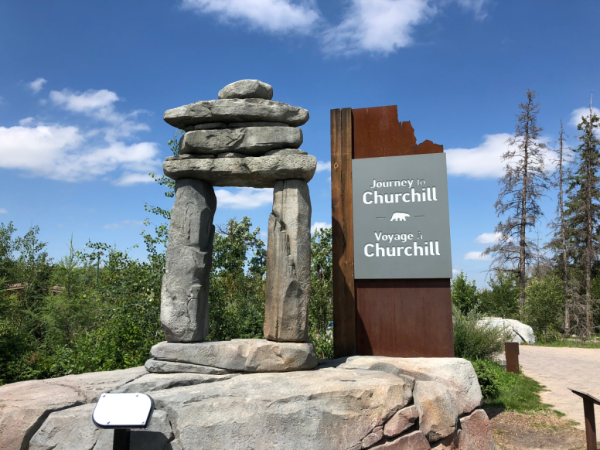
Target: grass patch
<point x="574" y="343"/>
<point x="508" y="391"/>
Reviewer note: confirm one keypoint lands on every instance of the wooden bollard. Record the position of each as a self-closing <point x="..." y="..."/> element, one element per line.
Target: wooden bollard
<point x="590" y="418"/>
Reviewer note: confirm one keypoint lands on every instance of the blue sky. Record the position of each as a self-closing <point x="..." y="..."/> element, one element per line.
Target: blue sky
<point x="83" y="87"/>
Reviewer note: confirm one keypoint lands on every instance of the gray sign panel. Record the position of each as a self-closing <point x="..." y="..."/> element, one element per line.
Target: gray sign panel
<point x="401" y="218"/>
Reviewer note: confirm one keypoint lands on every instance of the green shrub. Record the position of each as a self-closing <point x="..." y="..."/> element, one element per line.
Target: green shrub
<point x="544" y="304"/>
<point x="464" y="294"/>
<point x="473" y="341"/>
<point x="489" y="375"/>
<point x="502" y="297"/>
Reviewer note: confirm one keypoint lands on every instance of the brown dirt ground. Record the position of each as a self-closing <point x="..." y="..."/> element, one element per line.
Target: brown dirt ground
<point x="533" y="431"/>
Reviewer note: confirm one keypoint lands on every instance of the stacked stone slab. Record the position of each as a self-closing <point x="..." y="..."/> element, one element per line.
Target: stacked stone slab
<point x="242" y="139"/>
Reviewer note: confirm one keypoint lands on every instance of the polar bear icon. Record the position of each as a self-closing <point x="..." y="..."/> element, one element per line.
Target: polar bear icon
<point x="399" y="217"/>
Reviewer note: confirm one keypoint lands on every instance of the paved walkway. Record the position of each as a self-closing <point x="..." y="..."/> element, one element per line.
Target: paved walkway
<point x="558" y="368"/>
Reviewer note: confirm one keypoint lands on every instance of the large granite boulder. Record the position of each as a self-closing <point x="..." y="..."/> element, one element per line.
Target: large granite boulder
<point x="235" y="110"/>
<point x="257" y="172"/>
<point x="25" y="406"/>
<point x="254" y="141"/>
<point x="288" y="263"/>
<point x="330" y="407"/>
<point x="185" y="284"/>
<point x="456" y="374"/>
<point x="247" y="89"/>
<point x="521" y="333"/>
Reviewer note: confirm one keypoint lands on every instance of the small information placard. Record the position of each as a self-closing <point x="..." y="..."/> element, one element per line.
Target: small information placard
<point x="401" y="217"/>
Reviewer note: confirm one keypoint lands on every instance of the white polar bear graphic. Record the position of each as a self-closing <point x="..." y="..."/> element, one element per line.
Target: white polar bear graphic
<point x="399" y="217"/>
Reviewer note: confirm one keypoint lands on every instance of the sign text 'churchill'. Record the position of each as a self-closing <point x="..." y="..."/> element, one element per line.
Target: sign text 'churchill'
<point x="401" y="219"/>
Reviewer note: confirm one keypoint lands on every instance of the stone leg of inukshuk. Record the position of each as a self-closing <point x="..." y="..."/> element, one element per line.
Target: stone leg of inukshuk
<point x="185" y="284"/>
<point x="288" y="263"/>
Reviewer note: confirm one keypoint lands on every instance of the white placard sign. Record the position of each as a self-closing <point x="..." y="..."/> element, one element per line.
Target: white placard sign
<point x="123" y="411"/>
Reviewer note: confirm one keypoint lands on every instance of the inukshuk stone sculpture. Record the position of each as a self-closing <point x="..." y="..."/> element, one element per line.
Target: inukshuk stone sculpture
<point x="241" y="139"/>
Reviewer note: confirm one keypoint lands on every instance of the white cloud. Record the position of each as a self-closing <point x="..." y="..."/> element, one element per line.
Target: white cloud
<point x="244" y="198"/>
<point x="123" y="224"/>
<point x="323" y="166"/>
<point x="90" y="102"/>
<point x="26" y="121"/>
<point x="488" y="238"/>
<point x="37" y="85"/>
<point x="64" y="153"/>
<point x="455" y="271"/>
<point x="319" y="225"/>
<point x="380" y="26"/>
<point x="100" y="105"/>
<point x="127" y="179"/>
<point x="477" y="256"/>
<point x="268" y="15"/>
<point x="3" y="211"/>
<point x="578" y="113"/>
<point x="474" y="5"/>
<point x="484" y="161"/>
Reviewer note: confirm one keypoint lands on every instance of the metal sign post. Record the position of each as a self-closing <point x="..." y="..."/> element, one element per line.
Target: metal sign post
<point x="122" y="412"/>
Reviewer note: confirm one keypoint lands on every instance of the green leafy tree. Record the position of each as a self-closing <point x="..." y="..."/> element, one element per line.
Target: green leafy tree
<point x="464" y="293"/>
<point x="320" y="306"/>
<point x="544" y="306"/>
<point x="501" y="299"/>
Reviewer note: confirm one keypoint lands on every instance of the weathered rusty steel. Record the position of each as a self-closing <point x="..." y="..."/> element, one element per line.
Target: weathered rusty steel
<point x="511" y="349"/>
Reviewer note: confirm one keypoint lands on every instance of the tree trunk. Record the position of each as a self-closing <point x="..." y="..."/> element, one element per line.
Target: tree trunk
<point x="588" y="250"/>
<point x="522" y="241"/>
<point x="567" y="326"/>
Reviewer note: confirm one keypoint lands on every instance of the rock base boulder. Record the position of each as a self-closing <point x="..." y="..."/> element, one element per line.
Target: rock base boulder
<point x="239" y="355"/>
<point x="332" y="407"/>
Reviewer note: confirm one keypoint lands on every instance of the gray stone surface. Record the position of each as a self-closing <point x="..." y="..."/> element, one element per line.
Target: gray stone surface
<point x="456" y="374"/>
<point x="247" y="89"/>
<point x="240" y="355"/>
<point x="288" y="263"/>
<point x="373" y="437"/>
<point x="230" y="155"/>
<point x="411" y="441"/>
<point x="254" y="141"/>
<point x="322" y="409"/>
<point x="185" y="284"/>
<point x="286" y="152"/>
<point x="235" y="110"/>
<point x="156" y="366"/>
<point x="330" y="407"/>
<point x="24" y="406"/>
<point x="401" y="421"/>
<point x="182" y="157"/>
<point x="258" y="172"/>
<point x="476" y="432"/>
<point x="73" y="429"/>
<point x="438" y="414"/>
<point x="257" y="124"/>
<point x="160" y="381"/>
<point x="207" y="126"/>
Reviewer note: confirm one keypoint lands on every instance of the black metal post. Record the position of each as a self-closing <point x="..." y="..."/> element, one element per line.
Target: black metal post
<point x="121" y="439"/>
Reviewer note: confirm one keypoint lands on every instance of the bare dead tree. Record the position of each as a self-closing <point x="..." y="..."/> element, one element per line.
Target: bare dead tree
<point x="583" y="208"/>
<point x="524" y="182"/>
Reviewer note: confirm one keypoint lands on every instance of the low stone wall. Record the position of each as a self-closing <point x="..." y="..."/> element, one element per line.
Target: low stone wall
<point x="354" y="403"/>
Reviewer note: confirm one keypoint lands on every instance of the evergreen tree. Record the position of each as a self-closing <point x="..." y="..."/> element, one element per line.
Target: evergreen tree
<point x="524" y="182"/>
<point x="558" y="244"/>
<point x="583" y="208"/>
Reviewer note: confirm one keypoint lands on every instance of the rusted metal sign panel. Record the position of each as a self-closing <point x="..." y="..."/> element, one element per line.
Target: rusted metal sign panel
<point x="388" y="317"/>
